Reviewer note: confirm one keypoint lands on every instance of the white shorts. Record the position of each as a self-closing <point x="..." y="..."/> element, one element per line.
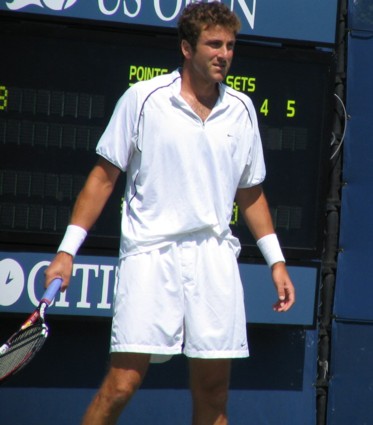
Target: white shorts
<point x="186" y="298"/>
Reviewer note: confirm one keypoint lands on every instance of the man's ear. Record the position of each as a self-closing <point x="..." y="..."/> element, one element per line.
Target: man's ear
<point x="186" y="49"/>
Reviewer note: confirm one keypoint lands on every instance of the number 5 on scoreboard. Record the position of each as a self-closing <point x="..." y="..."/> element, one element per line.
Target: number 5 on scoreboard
<point x="290" y="109"/>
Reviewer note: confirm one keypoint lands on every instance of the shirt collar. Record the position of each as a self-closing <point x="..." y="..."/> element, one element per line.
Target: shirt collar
<point x="177" y="87"/>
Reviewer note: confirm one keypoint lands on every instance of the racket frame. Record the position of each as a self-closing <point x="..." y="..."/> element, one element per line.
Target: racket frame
<point x="36" y="318"/>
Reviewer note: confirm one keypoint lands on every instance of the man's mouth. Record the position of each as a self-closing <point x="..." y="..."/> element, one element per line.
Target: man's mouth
<point x="221" y="66"/>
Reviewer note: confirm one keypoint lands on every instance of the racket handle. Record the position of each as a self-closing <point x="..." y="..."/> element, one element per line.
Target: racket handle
<point x="52" y="290"/>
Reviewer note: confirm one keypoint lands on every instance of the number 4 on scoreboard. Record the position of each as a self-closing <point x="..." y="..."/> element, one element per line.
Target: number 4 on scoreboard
<point x="264" y="108"/>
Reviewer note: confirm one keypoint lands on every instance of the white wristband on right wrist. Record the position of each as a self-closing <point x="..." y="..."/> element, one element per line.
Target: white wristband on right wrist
<point x="73" y="239"/>
<point x="270" y="248"/>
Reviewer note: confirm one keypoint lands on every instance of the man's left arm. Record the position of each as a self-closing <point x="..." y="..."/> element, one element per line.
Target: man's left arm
<point x="254" y="208"/>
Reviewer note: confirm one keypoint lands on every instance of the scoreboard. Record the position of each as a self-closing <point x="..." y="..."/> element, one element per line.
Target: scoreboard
<point x="58" y="87"/>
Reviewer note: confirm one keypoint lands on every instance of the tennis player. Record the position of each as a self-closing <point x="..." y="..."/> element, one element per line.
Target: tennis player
<point x="190" y="146"/>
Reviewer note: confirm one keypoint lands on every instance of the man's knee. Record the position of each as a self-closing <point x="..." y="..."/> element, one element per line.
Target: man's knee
<point x="210" y="382"/>
<point x="215" y="394"/>
<point x="115" y="395"/>
<point x="123" y="379"/>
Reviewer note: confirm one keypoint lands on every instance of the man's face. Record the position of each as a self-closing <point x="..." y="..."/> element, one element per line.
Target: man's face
<point x="212" y="57"/>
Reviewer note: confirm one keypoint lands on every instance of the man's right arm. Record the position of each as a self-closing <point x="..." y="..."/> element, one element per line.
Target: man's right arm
<point x="88" y="207"/>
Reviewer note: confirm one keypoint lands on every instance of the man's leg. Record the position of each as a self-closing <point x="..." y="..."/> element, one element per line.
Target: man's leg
<point x="209" y="383"/>
<point x="125" y="375"/>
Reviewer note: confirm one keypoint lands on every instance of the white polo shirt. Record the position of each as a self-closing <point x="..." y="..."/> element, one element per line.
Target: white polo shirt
<point x="182" y="173"/>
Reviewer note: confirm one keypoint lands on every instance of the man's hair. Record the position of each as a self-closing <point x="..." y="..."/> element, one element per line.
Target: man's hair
<point x="199" y="16"/>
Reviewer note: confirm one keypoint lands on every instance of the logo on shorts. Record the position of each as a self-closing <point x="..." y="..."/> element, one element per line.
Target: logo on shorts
<point x="46" y="4"/>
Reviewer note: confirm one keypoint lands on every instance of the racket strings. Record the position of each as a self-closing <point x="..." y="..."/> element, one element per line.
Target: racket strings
<point x="22" y="348"/>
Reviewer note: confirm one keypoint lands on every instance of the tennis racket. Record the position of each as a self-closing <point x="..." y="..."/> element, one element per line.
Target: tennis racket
<point x="22" y="346"/>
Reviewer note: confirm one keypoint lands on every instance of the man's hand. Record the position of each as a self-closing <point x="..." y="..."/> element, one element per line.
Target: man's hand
<point x="61" y="266"/>
<point x="284" y="287"/>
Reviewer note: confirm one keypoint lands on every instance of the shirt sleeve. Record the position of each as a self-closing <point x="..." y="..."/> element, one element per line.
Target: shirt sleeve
<point x="254" y="171"/>
<point x="119" y="138"/>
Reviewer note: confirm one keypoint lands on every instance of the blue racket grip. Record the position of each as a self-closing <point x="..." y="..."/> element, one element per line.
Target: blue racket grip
<point x="52" y="290"/>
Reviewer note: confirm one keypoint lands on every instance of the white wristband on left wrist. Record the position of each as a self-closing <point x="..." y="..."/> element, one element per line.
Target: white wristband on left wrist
<point x="270" y="248"/>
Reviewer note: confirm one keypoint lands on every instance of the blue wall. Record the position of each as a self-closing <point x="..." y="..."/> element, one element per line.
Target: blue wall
<point x="351" y="387"/>
<point x="307" y="20"/>
<point x="277" y="381"/>
<point x="274" y="386"/>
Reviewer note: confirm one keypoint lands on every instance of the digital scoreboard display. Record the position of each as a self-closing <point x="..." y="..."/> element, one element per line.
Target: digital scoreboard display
<point x="58" y="88"/>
